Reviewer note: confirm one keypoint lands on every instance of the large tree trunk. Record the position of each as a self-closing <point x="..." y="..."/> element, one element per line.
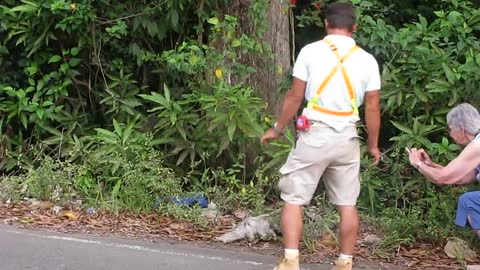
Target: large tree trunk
<point x="270" y="72"/>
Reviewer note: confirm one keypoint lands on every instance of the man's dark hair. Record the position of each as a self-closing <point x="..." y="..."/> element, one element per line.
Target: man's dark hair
<point x="340" y="16"/>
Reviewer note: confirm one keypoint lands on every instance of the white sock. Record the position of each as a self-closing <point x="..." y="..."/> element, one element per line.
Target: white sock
<point x="291" y="253"/>
<point x="345" y="257"/>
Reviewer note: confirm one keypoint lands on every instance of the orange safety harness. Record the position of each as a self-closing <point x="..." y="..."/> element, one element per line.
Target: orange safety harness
<point x="313" y="103"/>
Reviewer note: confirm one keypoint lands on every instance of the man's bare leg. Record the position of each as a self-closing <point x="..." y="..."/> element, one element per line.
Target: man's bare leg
<point x="477" y="232"/>
<point x="292" y="225"/>
<point x="349" y="225"/>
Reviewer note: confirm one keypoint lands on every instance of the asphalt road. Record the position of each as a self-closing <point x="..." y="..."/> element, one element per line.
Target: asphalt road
<point x="21" y="249"/>
<point x="35" y="250"/>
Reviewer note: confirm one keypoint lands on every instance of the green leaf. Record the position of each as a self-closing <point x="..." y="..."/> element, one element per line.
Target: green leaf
<point x="40" y="113"/>
<point x="55" y="59"/>
<point x="445" y="141"/>
<point x="64" y="67"/>
<point x="75" y="51"/>
<point x="182" y="156"/>
<point x="23" y="119"/>
<point x="182" y="132"/>
<point x="3" y="50"/>
<point x="74" y="62"/>
<point x="166" y="92"/>
<point x="232" y="126"/>
<point x="174" y="18"/>
<point x="116" y="188"/>
<point x="25" y="8"/>
<point x="416" y="126"/>
<point x="213" y="21"/>
<point x="402" y="127"/>
<point x="420" y="94"/>
<point x="423" y="22"/>
<point x="118" y="128"/>
<point x="47" y="103"/>
<point x="236" y="43"/>
<point x="449" y="73"/>
<point x="30" y="3"/>
<point x="157" y="98"/>
<point x="224" y="143"/>
<point x="106" y="135"/>
<point x="439" y="14"/>
<point x="127" y="132"/>
<point x="455" y="18"/>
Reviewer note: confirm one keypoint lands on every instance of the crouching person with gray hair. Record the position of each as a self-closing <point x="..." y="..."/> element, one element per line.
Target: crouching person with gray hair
<point x="464" y="125"/>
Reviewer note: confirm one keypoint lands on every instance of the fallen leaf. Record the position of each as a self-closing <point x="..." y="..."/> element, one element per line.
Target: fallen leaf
<point x="458" y="248"/>
<point x="70" y="215"/>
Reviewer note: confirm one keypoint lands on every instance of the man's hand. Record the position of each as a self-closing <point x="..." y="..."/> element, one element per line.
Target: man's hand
<point x="375" y="153"/>
<point x="425" y="157"/>
<point x="372" y="119"/>
<point x="270" y="135"/>
<point x="414" y="156"/>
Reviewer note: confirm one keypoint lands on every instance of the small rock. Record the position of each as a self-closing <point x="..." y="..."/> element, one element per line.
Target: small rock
<point x="372" y="240"/>
<point x="30" y="200"/>
<point x="57" y="193"/>
<point x="240" y="214"/>
<point x="56" y="209"/>
<point x="91" y="211"/>
<point x="457" y="248"/>
<point x="10" y="221"/>
<point x="209" y="213"/>
<point x="78" y="202"/>
<point x="212" y="206"/>
<point x="42" y="205"/>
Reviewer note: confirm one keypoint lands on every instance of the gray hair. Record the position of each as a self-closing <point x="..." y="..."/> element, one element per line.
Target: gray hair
<point x="466" y="116"/>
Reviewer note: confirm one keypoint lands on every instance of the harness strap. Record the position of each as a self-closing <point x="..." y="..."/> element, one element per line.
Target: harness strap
<point x="351" y="93"/>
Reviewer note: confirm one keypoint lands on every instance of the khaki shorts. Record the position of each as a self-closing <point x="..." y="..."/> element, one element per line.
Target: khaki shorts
<point x="322" y="152"/>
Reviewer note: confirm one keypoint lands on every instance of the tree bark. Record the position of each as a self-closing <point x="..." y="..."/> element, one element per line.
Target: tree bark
<point x="269" y="72"/>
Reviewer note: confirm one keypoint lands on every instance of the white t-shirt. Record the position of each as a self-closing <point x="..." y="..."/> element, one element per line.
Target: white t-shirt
<point x="314" y="63"/>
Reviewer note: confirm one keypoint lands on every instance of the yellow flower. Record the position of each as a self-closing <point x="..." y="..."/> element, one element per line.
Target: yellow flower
<point x="267" y="120"/>
<point x="73" y="6"/>
<point x="218" y="73"/>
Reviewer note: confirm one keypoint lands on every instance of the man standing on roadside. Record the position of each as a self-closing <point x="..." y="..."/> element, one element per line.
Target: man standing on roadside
<point x="335" y="76"/>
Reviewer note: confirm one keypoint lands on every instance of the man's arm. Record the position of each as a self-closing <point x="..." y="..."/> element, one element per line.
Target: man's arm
<point x="467" y="179"/>
<point x="291" y="103"/>
<point x="431" y="172"/>
<point x="372" y="120"/>
<point x="458" y="171"/>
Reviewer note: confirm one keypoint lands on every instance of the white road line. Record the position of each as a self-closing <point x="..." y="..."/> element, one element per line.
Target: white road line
<point x="135" y="247"/>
